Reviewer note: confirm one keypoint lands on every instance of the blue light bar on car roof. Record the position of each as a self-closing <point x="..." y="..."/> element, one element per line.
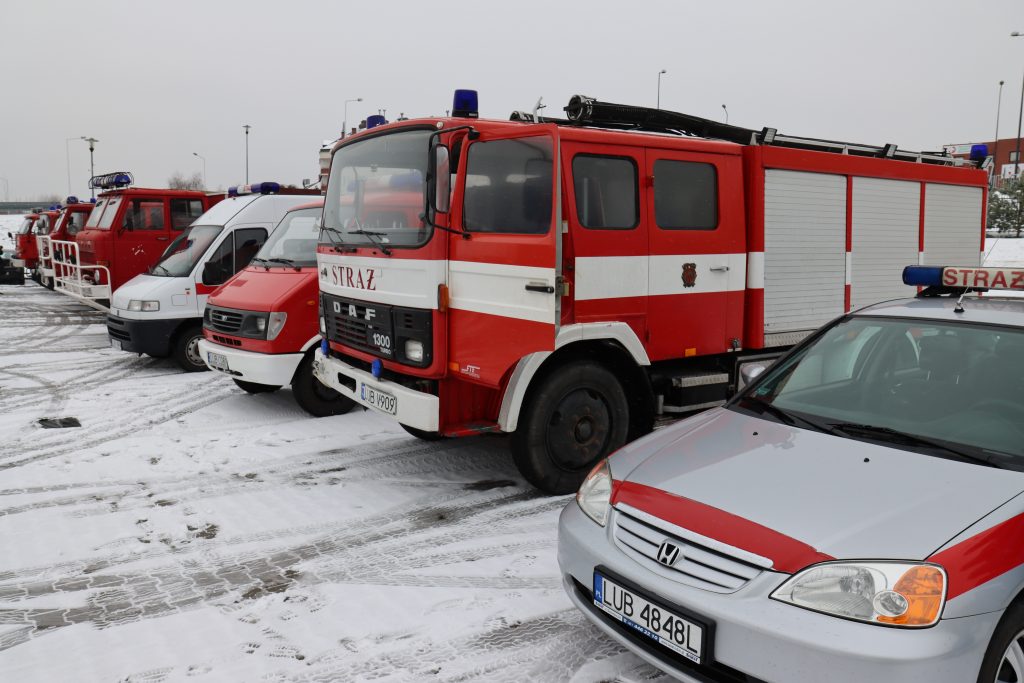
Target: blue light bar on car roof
<point x="255" y="188"/>
<point x="111" y="181"/>
<point x="961" y="277"/>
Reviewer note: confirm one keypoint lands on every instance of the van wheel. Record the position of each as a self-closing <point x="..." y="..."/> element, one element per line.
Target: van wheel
<point x="423" y="434"/>
<point x="1004" y="658"/>
<point x="315" y="398"/>
<point x="254" y="388"/>
<point x="577" y="415"/>
<point x="185" y="349"/>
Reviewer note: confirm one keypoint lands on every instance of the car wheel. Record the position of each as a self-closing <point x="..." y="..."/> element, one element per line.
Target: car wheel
<point x="423" y="434"/>
<point x="315" y="398"/>
<point x="577" y="416"/>
<point x="254" y="387"/>
<point x="1004" y="659"/>
<point x="185" y="349"/>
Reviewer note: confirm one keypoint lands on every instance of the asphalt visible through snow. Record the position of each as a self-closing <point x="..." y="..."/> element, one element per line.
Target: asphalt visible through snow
<point x="189" y="531"/>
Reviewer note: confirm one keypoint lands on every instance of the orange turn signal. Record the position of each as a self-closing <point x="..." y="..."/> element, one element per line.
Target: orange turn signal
<point x="923" y="587"/>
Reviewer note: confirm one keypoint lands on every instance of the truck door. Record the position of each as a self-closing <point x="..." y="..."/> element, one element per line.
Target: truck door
<point x="141" y="237"/>
<point x="503" y="280"/>
<point x="697" y="262"/>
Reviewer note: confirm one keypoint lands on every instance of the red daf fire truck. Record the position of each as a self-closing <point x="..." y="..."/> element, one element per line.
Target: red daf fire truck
<point x="71" y="220"/>
<point x="572" y="281"/>
<point x="26" y="253"/>
<point x="126" y="233"/>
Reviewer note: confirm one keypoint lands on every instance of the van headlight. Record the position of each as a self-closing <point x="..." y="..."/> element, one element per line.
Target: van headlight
<point x="275" y="323"/>
<point x="594" y="496"/>
<point x="141" y="305"/>
<point x="909" y="594"/>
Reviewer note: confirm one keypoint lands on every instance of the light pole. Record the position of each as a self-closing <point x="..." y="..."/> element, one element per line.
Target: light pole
<point x="663" y="71"/>
<point x="995" y="145"/>
<point x="344" y="118"/>
<point x="726" y="114"/>
<point x="196" y="154"/>
<point x="67" y="158"/>
<point x="246" y="127"/>
<point x="1016" y="167"/>
<point x="92" y="168"/>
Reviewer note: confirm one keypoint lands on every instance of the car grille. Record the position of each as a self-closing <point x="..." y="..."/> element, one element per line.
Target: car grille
<point x="697" y="565"/>
<point x="223" y="320"/>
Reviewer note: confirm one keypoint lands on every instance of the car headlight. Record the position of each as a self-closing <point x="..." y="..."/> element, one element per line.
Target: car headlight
<point x="141" y="305"/>
<point x="276" y="324"/>
<point x="594" y="496"/>
<point x="414" y="350"/>
<point x="893" y="593"/>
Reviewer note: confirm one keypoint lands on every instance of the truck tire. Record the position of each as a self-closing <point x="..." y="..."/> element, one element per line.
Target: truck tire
<point x="577" y="415"/>
<point x="185" y="349"/>
<point x="314" y="397"/>
<point x="254" y="387"/>
<point x="422" y="434"/>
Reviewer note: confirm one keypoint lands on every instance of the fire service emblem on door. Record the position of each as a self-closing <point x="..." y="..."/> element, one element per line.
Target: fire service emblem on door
<point x="689" y="274"/>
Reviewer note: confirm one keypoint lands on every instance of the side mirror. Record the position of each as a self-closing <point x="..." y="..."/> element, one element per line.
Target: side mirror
<point x="214" y="274"/>
<point x="442" y="180"/>
<point x="750" y="372"/>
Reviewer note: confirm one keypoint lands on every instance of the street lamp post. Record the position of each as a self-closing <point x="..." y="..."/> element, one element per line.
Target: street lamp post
<point x="726" y="114"/>
<point x="196" y="154"/>
<point x="1020" y="115"/>
<point x="92" y="167"/>
<point x="995" y="145"/>
<point x="344" y="118"/>
<point x="246" y="127"/>
<point x="663" y="71"/>
<point x="67" y="158"/>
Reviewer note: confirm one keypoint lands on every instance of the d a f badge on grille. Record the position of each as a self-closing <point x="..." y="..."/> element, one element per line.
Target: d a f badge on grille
<point x="668" y="553"/>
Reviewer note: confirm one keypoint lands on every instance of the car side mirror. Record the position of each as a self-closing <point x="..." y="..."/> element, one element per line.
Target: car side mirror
<point x="214" y="274"/>
<point x="750" y="372"/>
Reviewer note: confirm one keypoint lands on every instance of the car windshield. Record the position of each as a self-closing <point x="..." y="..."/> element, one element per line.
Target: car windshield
<point x="376" y="192"/>
<point x="951" y="384"/>
<point x="185" y="251"/>
<point x="293" y="243"/>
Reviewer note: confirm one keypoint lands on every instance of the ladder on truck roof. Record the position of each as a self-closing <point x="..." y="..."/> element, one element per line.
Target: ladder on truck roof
<point x="586" y="111"/>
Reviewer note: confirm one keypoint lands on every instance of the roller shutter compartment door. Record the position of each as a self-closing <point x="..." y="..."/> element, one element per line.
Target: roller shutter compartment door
<point x="886" y="223"/>
<point x="952" y="225"/>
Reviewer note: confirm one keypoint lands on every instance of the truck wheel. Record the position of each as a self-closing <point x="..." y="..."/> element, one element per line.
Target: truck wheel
<point x="185" y="349"/>
<point x="577" y="415"/>
<point x="255" y="388"/>
<point x="1004" y="658"/>
<point x="422" y="434"/>
<point x="315" y="398"/>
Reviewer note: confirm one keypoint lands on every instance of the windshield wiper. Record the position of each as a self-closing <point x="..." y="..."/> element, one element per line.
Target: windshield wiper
<point x="784" y="415"/>
<point x="256" y="259"/>
<point x="896" y="436"/>
<point x="373" y="235"/>
<point x="286" y="261"/>
<point x="338" y="246"/>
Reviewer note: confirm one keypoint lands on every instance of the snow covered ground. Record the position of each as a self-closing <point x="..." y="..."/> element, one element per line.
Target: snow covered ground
<point x="189" y="531"/>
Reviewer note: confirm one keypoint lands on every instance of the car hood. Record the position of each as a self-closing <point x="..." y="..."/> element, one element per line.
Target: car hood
<point x="797" y="496"/>
<point x="259" y="289"/>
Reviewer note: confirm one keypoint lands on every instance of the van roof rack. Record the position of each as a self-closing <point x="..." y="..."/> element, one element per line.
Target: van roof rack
<point x="586" y="111"/>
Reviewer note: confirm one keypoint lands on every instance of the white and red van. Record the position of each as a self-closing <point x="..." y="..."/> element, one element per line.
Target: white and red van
<point x="126" y="233"/>
<point x="160" y="312"/>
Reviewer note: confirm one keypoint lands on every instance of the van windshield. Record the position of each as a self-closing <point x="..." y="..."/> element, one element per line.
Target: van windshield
<point x="185" y="251"/>
<point x="293" y="243"/>
<point x="96" y="214"/>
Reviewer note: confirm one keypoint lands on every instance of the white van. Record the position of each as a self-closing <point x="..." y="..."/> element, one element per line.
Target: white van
<point x="160" y="313"/>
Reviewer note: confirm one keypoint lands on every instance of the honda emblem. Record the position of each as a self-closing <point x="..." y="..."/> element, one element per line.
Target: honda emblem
<point x="668" y="553"/>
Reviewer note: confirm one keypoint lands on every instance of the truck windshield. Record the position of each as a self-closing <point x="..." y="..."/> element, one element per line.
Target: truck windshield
<point x="293" y="243"/>
<point x="185" y="251"/>
<point x="42" y="226"/>
<point x="909" y="382"/>
<point x="109" y="213"/>
<point x="96" y="214"/>
<point x="75" y="222"/>
<point x="376" y="193"/>
<point x="26" y="225"/>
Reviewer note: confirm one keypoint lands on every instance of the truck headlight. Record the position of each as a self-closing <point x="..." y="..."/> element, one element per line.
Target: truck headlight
<point x="141" y="305"/>
<point x="323" y="327"/>
<point x="414" y="350"/>
<point x="594" y="496"/>
<point x="276" y="324"/>
<point x="907" y="594"/>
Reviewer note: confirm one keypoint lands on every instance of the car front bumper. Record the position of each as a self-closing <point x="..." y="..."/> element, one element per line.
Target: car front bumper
<point x="766" y="639"/>
<point x="413" y="408"/>
<point x="152" y="337"/>
<point x="272" y="369"/>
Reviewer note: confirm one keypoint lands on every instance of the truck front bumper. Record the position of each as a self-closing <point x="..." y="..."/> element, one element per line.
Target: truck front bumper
<point x="412" y="408"/>
<point x="152" y="337"/>
<point x="272" y="369"/>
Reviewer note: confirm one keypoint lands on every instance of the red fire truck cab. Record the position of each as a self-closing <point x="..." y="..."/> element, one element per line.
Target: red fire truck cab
<point x="26" y="253"/>
<point x="279" y="286"/>
<point x="126" y="233"/>
<point x="68" y="223"/>
<point x="572" y="281"/>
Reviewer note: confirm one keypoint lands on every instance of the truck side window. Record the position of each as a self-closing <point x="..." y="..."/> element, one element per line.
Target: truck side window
<point x="144" y="214"/>
<point x="184" y="211"/>
<point x="606" y="192"/>
<point x="685" y="195"/>
<point x="509" y="186"/>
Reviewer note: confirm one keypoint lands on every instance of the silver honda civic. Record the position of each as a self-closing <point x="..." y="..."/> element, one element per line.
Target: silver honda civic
<point x="853" y="515"/>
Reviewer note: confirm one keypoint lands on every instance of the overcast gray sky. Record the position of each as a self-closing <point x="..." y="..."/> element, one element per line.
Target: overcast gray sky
<point x="156" y="81"/>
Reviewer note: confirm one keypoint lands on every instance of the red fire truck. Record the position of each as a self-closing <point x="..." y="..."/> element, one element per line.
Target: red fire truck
<point x="71" y="220"/>
<point x="126" y="233"/>
<point x="26" y="253"/>
<point x="572" y="281"/>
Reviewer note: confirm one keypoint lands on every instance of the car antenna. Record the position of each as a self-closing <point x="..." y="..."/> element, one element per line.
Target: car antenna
<point x="959" y="308"/>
